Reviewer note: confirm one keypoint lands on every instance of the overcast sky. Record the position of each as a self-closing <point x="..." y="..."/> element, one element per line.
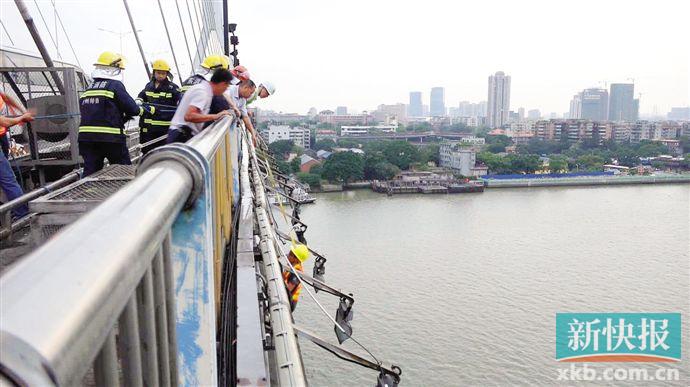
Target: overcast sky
<point x="364" y="53"/>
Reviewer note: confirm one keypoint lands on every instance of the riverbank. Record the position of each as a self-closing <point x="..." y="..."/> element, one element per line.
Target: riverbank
<point x="586" y="181"/>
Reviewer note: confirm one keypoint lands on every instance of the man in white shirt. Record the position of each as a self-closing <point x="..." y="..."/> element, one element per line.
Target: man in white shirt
<point x="192" y="111"/>
<point x="238" y="94"/>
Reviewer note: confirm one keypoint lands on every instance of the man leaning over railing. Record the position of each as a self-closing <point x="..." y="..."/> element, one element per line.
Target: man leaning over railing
<point x="193" y="110"/>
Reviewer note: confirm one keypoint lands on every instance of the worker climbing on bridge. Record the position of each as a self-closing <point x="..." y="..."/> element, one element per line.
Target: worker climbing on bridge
<point x="164" y="95"/>
<point x="105" y="107"/>
<point x="265" y="90"/>
<point x="298" y="254"/>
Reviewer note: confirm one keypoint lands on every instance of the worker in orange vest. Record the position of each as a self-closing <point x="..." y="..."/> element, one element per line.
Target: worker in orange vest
<point x="299" y="253"/>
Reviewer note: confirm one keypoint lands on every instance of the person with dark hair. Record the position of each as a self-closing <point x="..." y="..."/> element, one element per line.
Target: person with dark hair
<point x="193" y="110"/>
<point x="164" y="95"/>
<point x="238" y="94"/>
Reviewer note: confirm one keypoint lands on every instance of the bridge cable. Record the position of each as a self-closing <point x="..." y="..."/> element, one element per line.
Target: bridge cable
<point x="204" y="41"/>
<point x="136" y="37"/>
<point x="6" y="32"/>
<point x="196" y="41"/>
<point x="296" y="273"/>
<point x="52" y="39"/>
<point x="184" y="33"/>
<point x="172" y="49"/>
<point x="203" y="9"/>
<point x="66" y="35"/>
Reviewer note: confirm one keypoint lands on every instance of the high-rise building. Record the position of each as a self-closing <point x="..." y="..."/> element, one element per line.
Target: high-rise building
<point x="595" y="104"/>
<point x="679" y="113"/>
<point x="575" y="106"/>
<point x="622" y="102"/>
<point x="341" y="110"/>
<point x="415" y="108"/>
<point x="521" y="114"/>
<point x="437" y="102"/>
<point x="534" y="114"/>
<point x="499" y="100"/>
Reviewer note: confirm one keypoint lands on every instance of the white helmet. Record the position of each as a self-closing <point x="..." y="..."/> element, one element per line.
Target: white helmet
<point x="269" y="87"/>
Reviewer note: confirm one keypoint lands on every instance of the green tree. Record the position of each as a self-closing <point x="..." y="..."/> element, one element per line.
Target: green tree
<point x="685" y="143"/>
<point x="428" y="153"/>
<point x="400" y="153"/>
<point x="280" y="148"/>
<point x="316" y="169"/>
<point x="326" y="144"/>
<point x="377" y="168"/>
<point x="590" y="162"/>
<point x="284" y="167"/>
<point x="348" y="143"/>
<point x="295" y="164"/>
<point x="558" y="163"/>
<point x="343" y="167"/>
<point x="312" y="179"/>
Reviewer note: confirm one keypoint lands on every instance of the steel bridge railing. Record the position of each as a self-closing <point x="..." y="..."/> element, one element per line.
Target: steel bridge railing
<point x="129" y="293"/>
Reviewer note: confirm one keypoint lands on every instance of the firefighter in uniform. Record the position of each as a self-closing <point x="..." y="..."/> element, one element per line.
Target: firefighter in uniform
<point x="299" y="253"/>
<point x="105" y="107"/>
<point x="164" y="96"/>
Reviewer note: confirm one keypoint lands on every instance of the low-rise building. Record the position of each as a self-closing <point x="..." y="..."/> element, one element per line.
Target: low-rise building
<point x="307" y="163"/>
<point x="299" y="136"/>
<point x="364" y="130"/>
<point x="460" y="158"/>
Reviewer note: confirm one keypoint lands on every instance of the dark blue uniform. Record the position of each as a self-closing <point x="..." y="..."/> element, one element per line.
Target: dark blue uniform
<point x="191" y="81"/>
<point x="105" y="107"/>
<point x="152" y="126"/>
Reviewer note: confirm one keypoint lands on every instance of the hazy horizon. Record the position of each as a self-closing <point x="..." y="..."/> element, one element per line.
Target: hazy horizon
<point x="361" y="54"/>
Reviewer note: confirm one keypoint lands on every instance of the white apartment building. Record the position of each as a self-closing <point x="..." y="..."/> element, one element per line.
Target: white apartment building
<point x="299" y="136"/>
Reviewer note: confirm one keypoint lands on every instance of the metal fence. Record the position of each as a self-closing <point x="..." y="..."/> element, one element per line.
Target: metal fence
<point x="51" y="139"/>
<point x="129" y="294"/>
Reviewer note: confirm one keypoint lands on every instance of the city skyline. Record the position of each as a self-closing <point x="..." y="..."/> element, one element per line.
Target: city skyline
<point x="309" y="69"/>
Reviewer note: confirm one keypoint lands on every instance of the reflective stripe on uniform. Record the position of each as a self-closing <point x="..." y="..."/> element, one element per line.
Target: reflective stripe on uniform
<point x="100" y="129"/>
<point x="185" y="88"/>
<point x="158" y="95"/>
<point x="156" y="122"/>
<point x="98" y="93"/>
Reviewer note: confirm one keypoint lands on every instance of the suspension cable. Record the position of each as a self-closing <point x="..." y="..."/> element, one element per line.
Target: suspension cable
<point x="6" y="32"/>
<point x="136" y="37"/>
<point x="196" y="41"/>
<point x="210" y="23"/>
<point x="50" y="34"/>
<point x="66" y="35"/>
<point x="184" y="33"/>
<point x="172" y="49"/>
<point x="204" y="44"/>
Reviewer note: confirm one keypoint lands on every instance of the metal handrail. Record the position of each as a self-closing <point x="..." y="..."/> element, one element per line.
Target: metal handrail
<point x="111" y="272"/>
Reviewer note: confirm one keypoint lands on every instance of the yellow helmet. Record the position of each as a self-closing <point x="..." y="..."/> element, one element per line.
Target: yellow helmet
<point x="300" y="251"/>
<point x="112" y="59"/>
<point x="161" y="65"/>
<point x="213" y="62"/>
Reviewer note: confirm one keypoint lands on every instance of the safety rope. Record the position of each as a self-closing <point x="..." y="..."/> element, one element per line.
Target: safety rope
<point x="292" y="268"/>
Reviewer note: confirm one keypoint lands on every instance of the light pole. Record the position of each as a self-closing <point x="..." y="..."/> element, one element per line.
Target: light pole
<point x="120" y="35"/>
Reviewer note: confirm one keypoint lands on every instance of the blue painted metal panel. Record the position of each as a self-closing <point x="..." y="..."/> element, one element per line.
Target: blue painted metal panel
<point x="192" y="257"/>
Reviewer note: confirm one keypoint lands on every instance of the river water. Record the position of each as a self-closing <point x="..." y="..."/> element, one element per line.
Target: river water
<point x="463" y="289"/>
